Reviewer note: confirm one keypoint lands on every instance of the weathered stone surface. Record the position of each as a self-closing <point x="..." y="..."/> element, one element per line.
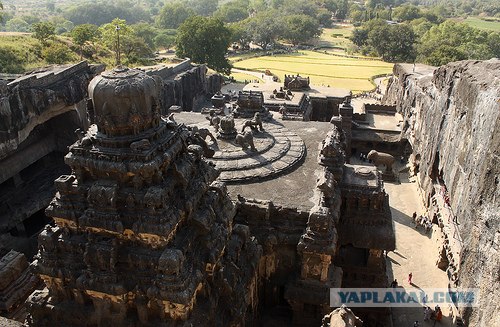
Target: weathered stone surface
<point x="39" y="113"/>
<point x="186" y="85"/>
<point x="16" y="280"/>
<point x="143" y="235"/>
<point x="37" y="97"/>
<point x="452" y="119"/>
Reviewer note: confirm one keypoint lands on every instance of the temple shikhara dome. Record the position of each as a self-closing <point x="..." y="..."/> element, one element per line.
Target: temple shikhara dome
<point x="125" y="101"/>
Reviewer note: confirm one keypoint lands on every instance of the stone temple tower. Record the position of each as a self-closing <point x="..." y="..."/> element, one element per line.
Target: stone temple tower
<point x="143" y="235"/>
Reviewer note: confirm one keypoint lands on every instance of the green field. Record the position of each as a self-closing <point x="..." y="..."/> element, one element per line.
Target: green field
<point x="323" y="69"/>
<point x="335" y="37"/>
<point x="483" y="24"/>
<point x="241" y="77"/>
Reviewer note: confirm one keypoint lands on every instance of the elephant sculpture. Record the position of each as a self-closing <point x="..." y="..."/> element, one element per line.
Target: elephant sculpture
<point x="381" y="158"/>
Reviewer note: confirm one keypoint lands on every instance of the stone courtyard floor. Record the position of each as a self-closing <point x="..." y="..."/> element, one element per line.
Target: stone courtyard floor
<point x="416" y="252"/>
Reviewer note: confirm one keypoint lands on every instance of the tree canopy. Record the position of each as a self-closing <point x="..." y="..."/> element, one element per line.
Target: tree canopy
<point x="205" y="40"/>
<point x="84" y="33"/>
<point x="43" y="31"/>
<point x="452" y="41"/>
<point x="172" y="15"/>
<point x="133" y="47"/>
<point x="265" y="28"/>
<point x="233" y="11"/>
<point x="300" y="28"/>
<point x="100" y="13"/>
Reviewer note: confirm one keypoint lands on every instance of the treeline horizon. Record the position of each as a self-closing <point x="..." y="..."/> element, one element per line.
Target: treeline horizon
<point x="423" y="32"/>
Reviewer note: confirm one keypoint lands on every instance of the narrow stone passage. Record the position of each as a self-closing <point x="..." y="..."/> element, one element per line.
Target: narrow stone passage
<point x="416" y="252"/>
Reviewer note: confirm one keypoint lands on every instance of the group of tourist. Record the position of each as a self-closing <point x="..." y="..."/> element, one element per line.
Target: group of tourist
<point x="429" y="314"/>
<point x="423" y="221"/>
<point x="435" y="314"/>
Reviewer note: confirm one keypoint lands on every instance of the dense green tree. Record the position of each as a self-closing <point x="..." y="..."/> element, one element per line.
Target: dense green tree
<point x="43" y="31"/>
<point x="406" y="12"/>
<point x="394" y="43"/>
<point x="109" y="32"/>
<point x="240" y="33"/>
<point x="233" y="11"/>
<point x="164" y="40"/>
<point x="31" y="19"/>
<point x="324" y="17"/>
<point x="265" y="27"/>
<point x="451" y="41"/>
<point x="17" y="24"/>
<point x="205" y="40"/>
<point x="56" y="53"/>
<point x="51" y="6"/>
<point x="172" y="15"/>
<point x="300" y="28"/>
<point x="146" y="32"/>
<point x="256" y="6"/>
<point x="299" y="7"/>
<point x="61" y="24"/>
<point x="342" y="9"/>
<point x="494" y="43"/>
<point x="84" y="33"/>
<point x="11" y="61"/>
<point x="359" y="36"/>
<point x="203" y="7"/>
<point x="99" y="13"/>
<point x="421" y="26"/>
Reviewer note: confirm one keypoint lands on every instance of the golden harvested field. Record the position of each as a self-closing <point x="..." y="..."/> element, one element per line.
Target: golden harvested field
<point x="241" y="77"/>
<point x="323" y="69"/>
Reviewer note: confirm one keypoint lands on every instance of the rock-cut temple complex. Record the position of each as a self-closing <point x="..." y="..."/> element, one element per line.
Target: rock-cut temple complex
<point x="247" y="212"/>
<point x="146" y="235"/>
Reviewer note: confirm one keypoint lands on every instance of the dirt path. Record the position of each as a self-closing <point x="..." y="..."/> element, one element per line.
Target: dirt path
<point x="13" y="33"/>
<point x="416" y="252"/>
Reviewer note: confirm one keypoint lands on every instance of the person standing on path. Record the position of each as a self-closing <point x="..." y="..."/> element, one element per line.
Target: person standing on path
<point x="410" y="276"/>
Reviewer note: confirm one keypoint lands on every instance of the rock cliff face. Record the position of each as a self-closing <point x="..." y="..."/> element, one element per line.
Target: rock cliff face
<point x="452" y="116"/>
<point x="186" y="85"/>
<point x="35" y="98"/>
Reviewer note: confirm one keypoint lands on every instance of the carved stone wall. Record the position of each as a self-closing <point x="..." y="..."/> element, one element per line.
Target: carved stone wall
<point x="452" y="119"/>
<point x="186" y="85"/>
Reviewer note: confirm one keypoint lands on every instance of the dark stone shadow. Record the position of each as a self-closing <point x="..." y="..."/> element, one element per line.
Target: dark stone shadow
<point x="403" y="219"/>
<point x="393" y="261"/>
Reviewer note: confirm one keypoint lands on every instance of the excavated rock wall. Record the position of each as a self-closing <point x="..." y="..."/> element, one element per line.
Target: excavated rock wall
<point x="35" y="98"/>
<point x="452" y="119"/>
<point x="186" y="85"/>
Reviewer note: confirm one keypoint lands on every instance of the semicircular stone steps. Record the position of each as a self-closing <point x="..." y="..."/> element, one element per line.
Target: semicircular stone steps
<point x="278" y="150"/>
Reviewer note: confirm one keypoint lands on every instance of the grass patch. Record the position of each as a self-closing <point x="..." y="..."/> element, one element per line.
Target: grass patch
<point x="335" y="37"/>
<point x="477" y="22"/>
<point x="323" y="69"/>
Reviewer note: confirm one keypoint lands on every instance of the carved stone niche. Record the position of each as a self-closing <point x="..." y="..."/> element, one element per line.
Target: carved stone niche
<point x="125" y="101"/>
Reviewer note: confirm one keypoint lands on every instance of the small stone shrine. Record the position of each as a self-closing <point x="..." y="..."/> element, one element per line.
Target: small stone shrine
<point x="249" y="103"/>
<point x="295" y="83"/>
<point x="143" y="235"/>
